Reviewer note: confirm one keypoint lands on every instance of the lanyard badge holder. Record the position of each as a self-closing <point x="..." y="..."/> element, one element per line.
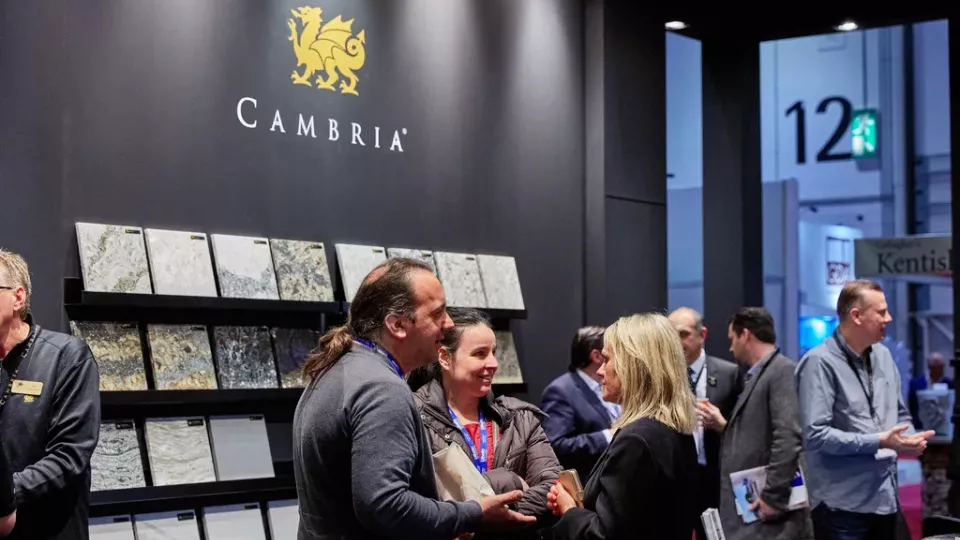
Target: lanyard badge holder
<point x="479" y="458"/>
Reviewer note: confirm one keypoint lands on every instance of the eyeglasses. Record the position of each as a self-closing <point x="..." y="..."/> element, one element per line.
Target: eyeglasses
<point x="5" y="288"/>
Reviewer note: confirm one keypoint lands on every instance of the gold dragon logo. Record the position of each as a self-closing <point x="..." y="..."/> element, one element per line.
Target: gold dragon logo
<point x="329" y="48"/>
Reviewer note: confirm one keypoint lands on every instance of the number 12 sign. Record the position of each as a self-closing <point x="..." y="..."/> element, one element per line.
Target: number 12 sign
<point x="863" y="133"/>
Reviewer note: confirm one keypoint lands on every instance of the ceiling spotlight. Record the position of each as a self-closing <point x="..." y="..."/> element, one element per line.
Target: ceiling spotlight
<point x="675" y="25"/>
<point x="848" y="26"/>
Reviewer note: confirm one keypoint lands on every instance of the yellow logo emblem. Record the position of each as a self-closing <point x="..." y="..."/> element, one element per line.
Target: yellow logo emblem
<point x="331" y="49"/>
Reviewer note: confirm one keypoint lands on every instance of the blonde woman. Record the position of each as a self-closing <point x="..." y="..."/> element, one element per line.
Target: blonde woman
<point x="641" y="485"/>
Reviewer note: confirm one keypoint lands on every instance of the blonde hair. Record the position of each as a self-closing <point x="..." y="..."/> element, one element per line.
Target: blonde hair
<point x="649" y="362"/>
<point x="15" y="269"/>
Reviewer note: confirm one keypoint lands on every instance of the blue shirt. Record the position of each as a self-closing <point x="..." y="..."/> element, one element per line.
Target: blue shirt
<point x="846" y="469"/>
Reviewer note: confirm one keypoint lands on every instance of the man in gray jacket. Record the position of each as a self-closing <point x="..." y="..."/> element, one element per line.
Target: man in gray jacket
<point x="763" y="431"/>
<point x="363" y="465"/>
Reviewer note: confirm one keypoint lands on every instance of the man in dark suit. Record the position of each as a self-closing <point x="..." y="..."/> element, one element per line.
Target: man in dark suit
<point x="935" y="374"/>
<point x="714" y="380"/>
<point x="763" y="430"/>
<point x="578" y="421"/>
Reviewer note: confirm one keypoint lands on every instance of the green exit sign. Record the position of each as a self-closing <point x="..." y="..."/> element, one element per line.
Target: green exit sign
<point x="863" y="133"/>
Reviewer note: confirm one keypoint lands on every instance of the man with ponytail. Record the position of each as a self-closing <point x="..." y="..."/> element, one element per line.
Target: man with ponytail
<point x="363" y="466"/>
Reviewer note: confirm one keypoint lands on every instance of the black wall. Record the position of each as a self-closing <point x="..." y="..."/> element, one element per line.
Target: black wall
<point x="126" y="112"/>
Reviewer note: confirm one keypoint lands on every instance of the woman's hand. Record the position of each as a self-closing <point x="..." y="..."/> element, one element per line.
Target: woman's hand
<point x="559" y="500"/>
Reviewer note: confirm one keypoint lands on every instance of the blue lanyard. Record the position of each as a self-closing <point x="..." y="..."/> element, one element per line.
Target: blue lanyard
<point x="377" y="348"/>
<point x="479" y="460"/>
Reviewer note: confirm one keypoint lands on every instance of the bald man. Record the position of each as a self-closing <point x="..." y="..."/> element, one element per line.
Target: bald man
<point x="936" y="373"/>
<point x="712" y="379"/>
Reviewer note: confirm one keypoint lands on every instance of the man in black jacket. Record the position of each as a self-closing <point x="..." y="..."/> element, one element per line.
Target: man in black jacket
<point x="714" y="380"/>
<point x="49" y="415"/>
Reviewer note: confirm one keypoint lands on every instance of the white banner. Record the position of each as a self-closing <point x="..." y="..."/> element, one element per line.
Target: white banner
<point x="905" y="256"/>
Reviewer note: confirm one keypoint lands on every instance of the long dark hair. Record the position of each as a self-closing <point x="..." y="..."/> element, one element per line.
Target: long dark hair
<point x="385" y="291"/>
<point x="463" y="318"/>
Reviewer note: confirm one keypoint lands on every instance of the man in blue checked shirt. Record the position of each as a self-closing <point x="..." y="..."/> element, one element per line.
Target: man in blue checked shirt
<point x="855" y="423"/>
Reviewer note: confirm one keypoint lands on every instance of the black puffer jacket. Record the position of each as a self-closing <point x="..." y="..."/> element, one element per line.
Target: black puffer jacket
<point x="522" y="456"/>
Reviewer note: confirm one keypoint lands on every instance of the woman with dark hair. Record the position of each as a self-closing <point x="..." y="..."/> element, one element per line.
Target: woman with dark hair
<point x="502" y="435"/>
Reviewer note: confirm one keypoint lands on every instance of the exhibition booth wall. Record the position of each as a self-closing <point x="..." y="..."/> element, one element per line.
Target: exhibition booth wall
<point x="463" y="131"/>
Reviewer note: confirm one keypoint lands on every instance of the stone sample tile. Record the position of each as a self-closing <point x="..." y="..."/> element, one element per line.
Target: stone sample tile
<point x="421" y="255"/>
<point x="460" y="275"/>
<point x="355" y="263"/>
<point x="179" y="525"/>
<point x="113" y="258"/>
<point x="292" y="346"/>
<point x="181" y="263"/>
<point x="283" y="517"/>
<point x="111" y="528"/>
<point x="179" y="451"/>
<point x="302" y="270"/>
<point x="234" y="522"/>
<point x="501" y="283"/>
<point x="241" y="448"/>
<point x="245" y="267"/>
<point x="116" y="463"/>
<point x="244" y="357"/>
<point x="118" y="351"/>
<point x="508" y="362"/>
<point x="181" y="357"/>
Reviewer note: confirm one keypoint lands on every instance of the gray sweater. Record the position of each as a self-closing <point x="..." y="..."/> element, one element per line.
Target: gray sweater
<point x="363" y="465"/>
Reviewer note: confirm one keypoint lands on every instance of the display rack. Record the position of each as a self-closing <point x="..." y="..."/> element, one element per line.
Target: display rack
<point x="157" y="403"/>
<point x="84" y="305"/>
<point x="190" y="496"/>
<point x="278" y="404"/>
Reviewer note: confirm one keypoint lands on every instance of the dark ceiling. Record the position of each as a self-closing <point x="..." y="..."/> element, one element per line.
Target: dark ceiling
<point x="778" y="20"/>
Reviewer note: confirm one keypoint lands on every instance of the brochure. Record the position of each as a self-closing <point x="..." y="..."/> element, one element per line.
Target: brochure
<point x="749" y="484"/>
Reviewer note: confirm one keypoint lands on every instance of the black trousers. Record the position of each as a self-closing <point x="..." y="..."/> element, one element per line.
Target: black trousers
<point x="708" y="496"/>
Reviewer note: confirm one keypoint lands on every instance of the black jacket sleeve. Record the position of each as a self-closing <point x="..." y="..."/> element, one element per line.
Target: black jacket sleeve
<point x="73" y="429"/>
<point x="623" y="506"/>
<point x="7" y="503"/>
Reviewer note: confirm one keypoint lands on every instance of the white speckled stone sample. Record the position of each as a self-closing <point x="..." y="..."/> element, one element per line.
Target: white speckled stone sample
<point x="501" y="283"/>
<point x="241" y="448"/>
<point x="244" y="357"/>
<point x="113" y="258"/>
<point x="245" y="267"/>
<point x="302" y="270"/>
<point x="422" y="255"/>
<point x="111" y="528"/>
<point x="292" y="346"/>
<point x="508" y="362"/>
<point x="235" y="522"/>
<point x="182" y="359"/>
<point x="115" y="463"/>
<point x="180" y="525"/>
<point x="179" y="451"/>
<point x="355" y="263"/>
<point x="460" y="275"/>
<point x="181" y="263"/>
<point x="119" y="354"/>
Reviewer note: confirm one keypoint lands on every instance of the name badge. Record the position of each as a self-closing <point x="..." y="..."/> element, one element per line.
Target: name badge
<point x="28" y="388"/>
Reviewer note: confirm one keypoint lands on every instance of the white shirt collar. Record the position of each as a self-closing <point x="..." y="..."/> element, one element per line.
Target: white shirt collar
<point x="592" y="383"/>
<point x="698" y="364"/>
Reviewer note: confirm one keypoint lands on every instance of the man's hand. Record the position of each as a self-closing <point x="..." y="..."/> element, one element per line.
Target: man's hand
<point x="765" y="511"/>
<point x="496" y="514"/>
<point x="559" y="500"/>
<point x="710" y="416"/>
<point x="911" y="445"/>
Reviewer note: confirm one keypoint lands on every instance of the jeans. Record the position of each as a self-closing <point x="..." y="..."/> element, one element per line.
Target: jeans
<point x="831" y="524"/>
